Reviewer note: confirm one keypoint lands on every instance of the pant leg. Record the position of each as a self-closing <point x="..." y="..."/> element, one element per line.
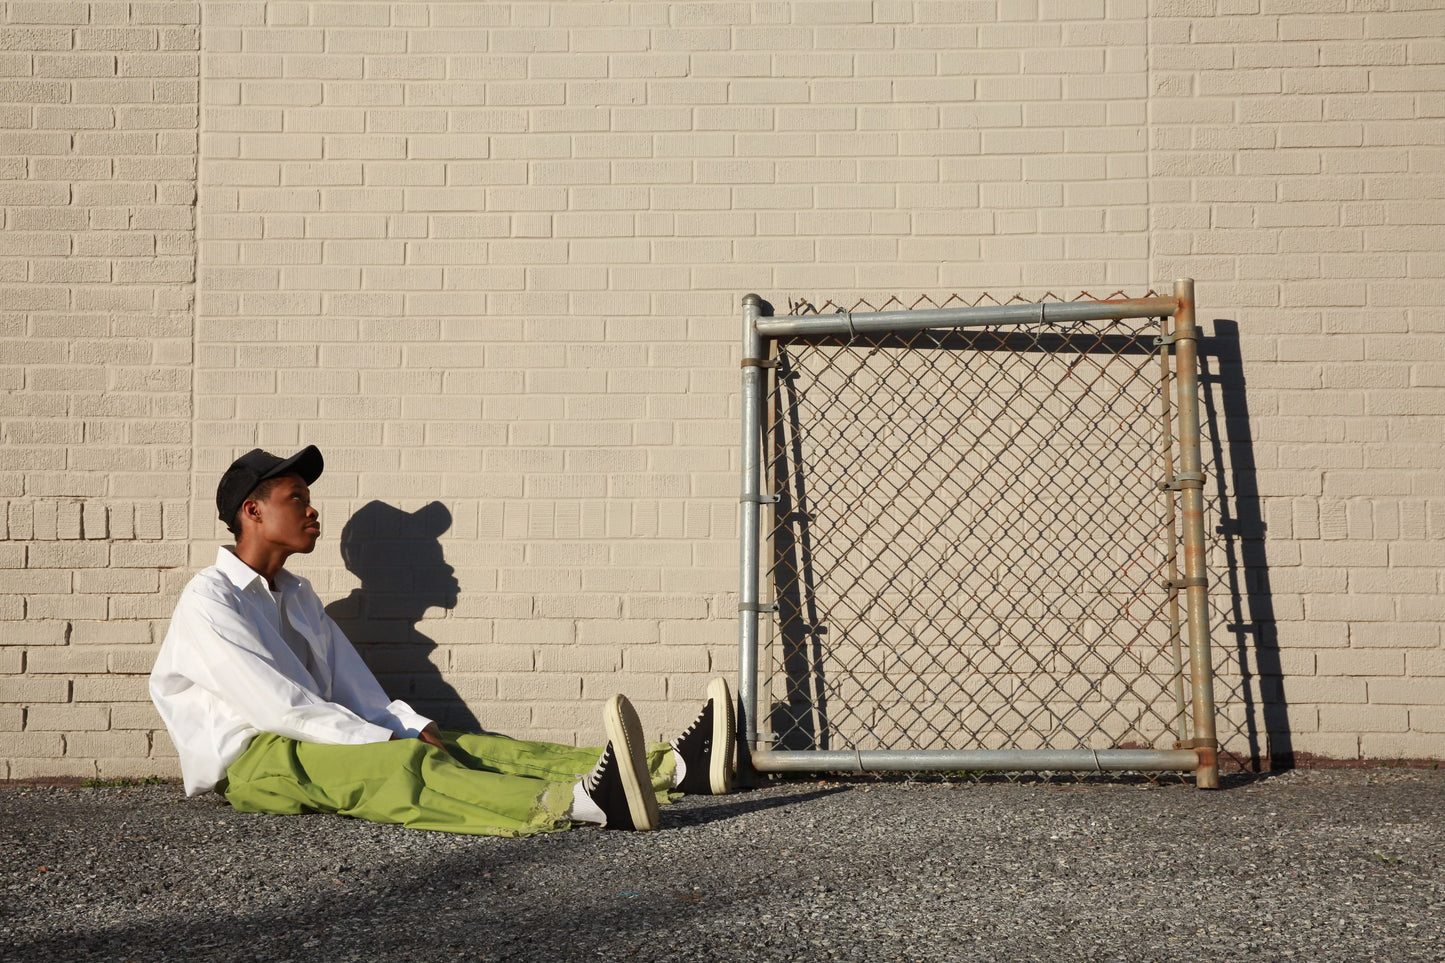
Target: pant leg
<point x="549" y="760"/>
<point x="404" y="781"/>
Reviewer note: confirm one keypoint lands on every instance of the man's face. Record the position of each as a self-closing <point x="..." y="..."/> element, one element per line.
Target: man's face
<point x="287" y="518"/>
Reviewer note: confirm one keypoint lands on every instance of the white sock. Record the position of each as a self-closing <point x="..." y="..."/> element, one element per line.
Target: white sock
<point x="681" y="771"/>
<point x="583" y="809"/>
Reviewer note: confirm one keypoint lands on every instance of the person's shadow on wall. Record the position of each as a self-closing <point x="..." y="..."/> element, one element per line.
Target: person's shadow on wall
<point x="398" y="558"/>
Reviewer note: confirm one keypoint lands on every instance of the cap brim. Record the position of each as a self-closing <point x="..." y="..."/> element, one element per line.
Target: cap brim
<point x="307" y="463"/>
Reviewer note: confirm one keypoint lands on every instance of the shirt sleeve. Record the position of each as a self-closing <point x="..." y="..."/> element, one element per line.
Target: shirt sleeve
<point x="354" y="685"/>
<point x="228" y="658"/>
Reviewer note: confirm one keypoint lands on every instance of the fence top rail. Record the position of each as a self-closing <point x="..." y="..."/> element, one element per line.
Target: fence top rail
<point x="853" y="323"/>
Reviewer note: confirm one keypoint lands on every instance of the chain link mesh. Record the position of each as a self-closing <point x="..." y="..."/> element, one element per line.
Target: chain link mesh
<point x="970" y="542"/>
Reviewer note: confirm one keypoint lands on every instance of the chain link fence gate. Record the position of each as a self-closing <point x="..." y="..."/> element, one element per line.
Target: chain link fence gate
<point x="969" y="523"/>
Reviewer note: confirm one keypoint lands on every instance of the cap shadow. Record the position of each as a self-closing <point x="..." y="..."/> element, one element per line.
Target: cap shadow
<point x="397" y="556"/>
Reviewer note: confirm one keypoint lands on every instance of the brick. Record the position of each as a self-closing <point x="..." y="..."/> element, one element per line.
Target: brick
<point x="1395" y="634"/>
<point x="1374" y="745"/>
<point x="36" y="633"/>
<point x="1320" y="690"/>
<point x="31" y="691"/>
<point x="135" y="716"/>
<point x="534" y="686"/>
<point x="107" y="745"/>
<point x="51" y="768"/>
<point x="577" y="659"/>
<point x="147" y="555"/>
<point x="1369" y="662"/>
<point x="640" y="687"/>
<point x="66" y="555"/>
<point x="64" y="661"/>
<point x="37" y="580"/>
<point x="138" y="769"/>
<point x="64" y="607"/>
<point x="110" y="690"/>
<point x="1427" y="719"/>
<point x="1426" y="691"/>
<point x="667" y="658"/>
<point x="1351" y="608"/>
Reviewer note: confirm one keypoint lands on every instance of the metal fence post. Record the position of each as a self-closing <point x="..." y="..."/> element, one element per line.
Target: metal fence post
<point x="1191" y="482"/>
<point x="748" y="530"/>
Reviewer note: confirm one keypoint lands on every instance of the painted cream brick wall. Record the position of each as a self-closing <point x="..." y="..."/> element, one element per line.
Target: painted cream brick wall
<point x="1298" y="171"/>
<point x="98" y="126"/>
<point x="491" y="255"/>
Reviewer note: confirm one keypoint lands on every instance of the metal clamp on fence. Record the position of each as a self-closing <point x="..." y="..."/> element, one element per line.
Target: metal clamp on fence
<point x="761" y="499"/>
<point x="1164" y="340"/>
<point x="759" y="607"/>
<point x="1182" y="480"/>
<point x="1197" y="744"/>
<point x="759" y="363"/>
<point x="1171" y="584"/>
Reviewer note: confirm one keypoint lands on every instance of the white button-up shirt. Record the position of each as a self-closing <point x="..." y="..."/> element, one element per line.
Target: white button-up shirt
<point x="239" y="659"/>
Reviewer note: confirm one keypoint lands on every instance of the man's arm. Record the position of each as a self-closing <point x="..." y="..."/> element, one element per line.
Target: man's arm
<point x="354" y="685"/>
<point x="222" y="652"/>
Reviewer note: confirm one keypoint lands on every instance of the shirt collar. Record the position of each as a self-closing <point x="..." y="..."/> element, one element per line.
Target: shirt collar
<point x="243" y="575"/>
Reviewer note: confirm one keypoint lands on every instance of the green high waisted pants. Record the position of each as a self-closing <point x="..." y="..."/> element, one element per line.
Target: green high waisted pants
<point x="486" y="785"/>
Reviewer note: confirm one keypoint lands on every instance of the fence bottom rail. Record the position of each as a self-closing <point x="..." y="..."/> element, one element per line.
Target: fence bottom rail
<point x="982" y="760"/>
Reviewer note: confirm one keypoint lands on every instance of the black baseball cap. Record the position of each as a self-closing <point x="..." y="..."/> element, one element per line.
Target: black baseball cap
<point x="254" y="467"/>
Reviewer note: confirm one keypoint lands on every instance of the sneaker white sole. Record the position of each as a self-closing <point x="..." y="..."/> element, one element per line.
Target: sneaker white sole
<point x="624" y="731"/>
<point x="724" y="737"/>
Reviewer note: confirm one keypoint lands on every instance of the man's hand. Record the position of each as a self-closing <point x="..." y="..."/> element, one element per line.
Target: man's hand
<point x="432" y="736"/>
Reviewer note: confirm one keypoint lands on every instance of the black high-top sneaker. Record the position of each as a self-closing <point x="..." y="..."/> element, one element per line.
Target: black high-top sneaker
<point x="619" y="784"/>
<point x="706" y="747"/>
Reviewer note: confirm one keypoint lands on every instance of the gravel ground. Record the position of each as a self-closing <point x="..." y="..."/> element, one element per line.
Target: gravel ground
<point x="1310" y="866"/>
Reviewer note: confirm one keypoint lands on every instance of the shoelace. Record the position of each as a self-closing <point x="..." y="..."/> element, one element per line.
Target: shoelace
<point x="595" y="776"/>
<point x="696" y="724"/>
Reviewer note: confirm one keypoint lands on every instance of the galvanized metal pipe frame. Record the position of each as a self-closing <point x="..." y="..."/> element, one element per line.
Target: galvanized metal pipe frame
<point x="1190" y="479"/>
<point x="1198" y="754"/>
<point x="748" y="530"/>
<point x="879" y="322"/>
<point x="978" y="760"/>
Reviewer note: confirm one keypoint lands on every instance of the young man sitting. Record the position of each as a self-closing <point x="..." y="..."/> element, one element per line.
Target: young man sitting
<point x="268" y="702"/>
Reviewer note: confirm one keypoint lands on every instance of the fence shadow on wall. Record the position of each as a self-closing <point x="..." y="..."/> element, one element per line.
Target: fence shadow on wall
<point x="397" y="556"/>
<point x="1244" y="617"/>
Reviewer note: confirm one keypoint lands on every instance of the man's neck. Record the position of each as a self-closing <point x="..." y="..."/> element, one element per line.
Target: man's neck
<point x="265" y="560"/>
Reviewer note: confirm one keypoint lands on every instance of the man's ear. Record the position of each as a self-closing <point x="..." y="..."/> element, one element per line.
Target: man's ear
<point x="251" y="509"/>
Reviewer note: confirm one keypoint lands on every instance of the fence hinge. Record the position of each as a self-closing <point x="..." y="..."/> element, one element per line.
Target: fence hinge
<point x="760" y="736"/>
<point x="761" y="499"/>
<point x="759" y="363"/>
<point x="760" y="607"/>
<point x="1170" y="584"/>
<point x="1182" y="480"/>
<point x="1164" y="340"/>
